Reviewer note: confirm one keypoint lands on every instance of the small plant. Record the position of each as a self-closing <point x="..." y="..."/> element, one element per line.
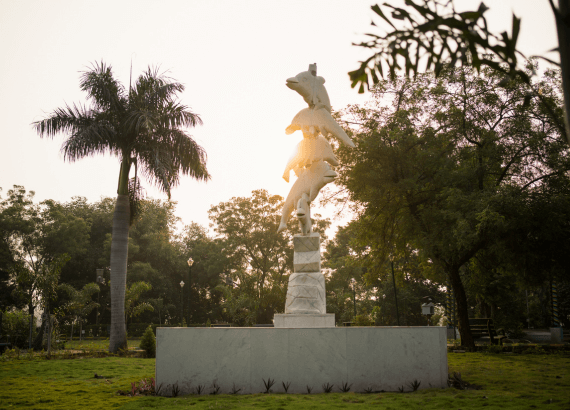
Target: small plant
<point x="268" y="384"/>
<point x="345" y="387"/>
<point x="175" y="390"/>
<point x="199" y="389"/>
<point x="309" y="389"/>
<point x="234" y="389"/>
<point x="368" y="390"/>
<point x="215" y="388"/>
<point x="456" y="381"/>
<point x="327" y="388"/>
<point x="148" y="342"/>
<point x="415" y="385"/>
<point x="286" y="386"/>
<point x="158" y="390"/>
<point x="146" y="387"/>
<point x="401" y="389"/>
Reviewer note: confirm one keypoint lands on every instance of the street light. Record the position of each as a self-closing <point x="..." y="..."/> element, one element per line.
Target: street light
<point x="181" y="302"/>
<point x="428" y="309"/>
<point x="190" y="263"/>
<point x="354" y="294"/>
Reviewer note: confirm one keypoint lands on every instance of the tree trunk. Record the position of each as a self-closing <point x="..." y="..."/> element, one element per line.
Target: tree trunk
<point x="563" y="30"/>
<point x="31" y="311"/>
<point x="462" y="313"/>
<point x="119" y="254"/>
<point x="49" y="327"/>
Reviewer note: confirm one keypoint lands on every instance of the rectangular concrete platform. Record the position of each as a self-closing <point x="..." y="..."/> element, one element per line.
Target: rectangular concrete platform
<point x="377" y="358"/>
<point x="300" y="321"/>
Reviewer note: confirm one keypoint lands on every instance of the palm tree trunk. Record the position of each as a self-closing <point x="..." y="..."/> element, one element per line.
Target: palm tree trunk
<point x="563" y="30"/>
<point x="119" y="254"/>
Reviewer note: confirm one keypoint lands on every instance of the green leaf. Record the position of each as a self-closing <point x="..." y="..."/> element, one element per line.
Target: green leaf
<point x="376" y="9"/>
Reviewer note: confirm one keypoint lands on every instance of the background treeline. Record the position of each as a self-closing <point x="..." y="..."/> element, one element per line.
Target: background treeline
<point x="455" y="183"/>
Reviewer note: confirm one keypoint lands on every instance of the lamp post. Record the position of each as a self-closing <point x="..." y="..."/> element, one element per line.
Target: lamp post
<point x="354" y="295"/>
<point x="181" y="302"/>
<point x="428" y="309"/>
<point x="190" y="263"/>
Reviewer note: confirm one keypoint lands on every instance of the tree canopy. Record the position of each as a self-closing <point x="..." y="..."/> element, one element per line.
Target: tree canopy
<point x="441" y="168"/>
<point x="433" y="31"/>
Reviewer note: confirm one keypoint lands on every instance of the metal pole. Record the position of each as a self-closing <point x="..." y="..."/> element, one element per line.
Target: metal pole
<point x="554" y="300"/>
<point x="354" y="297"/>
<point x="189" y="293"/>
<point x="395" y="294"/>
<point x="190" y="263"/>
<point x="181" y="306"/>
<point x="97" y="312"/>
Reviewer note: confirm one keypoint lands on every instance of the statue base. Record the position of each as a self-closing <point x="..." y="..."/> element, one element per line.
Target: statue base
<point x="297" y="321"/>
<point x="368" y="358"/>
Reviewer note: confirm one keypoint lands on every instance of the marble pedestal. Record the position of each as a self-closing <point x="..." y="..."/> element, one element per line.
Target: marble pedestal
<point x="376" y="358"/>
<point x="306" y="287"/>
<point x="303" y="320"/>
<point x="306" y="304"/>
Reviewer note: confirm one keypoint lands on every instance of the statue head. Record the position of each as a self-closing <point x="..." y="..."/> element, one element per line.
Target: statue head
<point x="311" y="88"/>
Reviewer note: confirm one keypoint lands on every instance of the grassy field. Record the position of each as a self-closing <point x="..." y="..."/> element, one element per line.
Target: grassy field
<point x="102" y="344"/>
<point x="509" y="381"/>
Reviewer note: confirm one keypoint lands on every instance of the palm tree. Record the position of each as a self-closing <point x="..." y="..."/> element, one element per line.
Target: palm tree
<point x="144" y="127"/>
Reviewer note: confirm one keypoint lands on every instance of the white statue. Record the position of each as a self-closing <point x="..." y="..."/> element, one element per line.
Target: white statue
<point x="312" y="162"/>
<point x="313" y="154"/>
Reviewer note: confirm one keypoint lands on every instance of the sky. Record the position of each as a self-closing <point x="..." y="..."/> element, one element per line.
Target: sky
<point x="233" y="58"/>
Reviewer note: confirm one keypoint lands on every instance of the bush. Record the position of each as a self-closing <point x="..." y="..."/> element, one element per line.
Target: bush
<point x="148" y="342"/>
<point x="362" y="320"/>
<point x="16" y="327"/>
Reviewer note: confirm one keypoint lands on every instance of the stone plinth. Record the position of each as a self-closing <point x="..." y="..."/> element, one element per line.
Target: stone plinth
<point x="306" y="293"/>
<point x="377" y="358"/>
<point x="303" y="320"/>
<point x="306" y="288"/>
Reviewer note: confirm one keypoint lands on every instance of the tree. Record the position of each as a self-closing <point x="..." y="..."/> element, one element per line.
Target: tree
<point x="80" y="270"/>
<point x="38" y="240"/>
<point x="161" y="308"/>
<point x="342" y="264"/>
<point x="81" y="302"/>
<point x="142" y="126"/>
<point x="353" y="271"/>
<point x="248" y="227"/>
<point x="210" y="263"/>
<point x="259" y="260"/>
<point x="439" y="169"/>
<point x="436" y="32"/>
<point x="132" y="296"/>
<point x="40" y="285"/>
<point x="148" y="342"/>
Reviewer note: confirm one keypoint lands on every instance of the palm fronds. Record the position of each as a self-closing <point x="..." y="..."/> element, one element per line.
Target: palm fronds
<point x="146" y="124"/>
<point x="102" y="88"/>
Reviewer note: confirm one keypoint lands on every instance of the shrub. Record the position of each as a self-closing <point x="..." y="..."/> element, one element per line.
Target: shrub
<point x="16" y="327"/>
<point x="362" y="320"/>
<point x="148" y="342"/>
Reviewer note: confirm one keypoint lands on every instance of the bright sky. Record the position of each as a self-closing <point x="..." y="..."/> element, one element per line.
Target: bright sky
<point x="232" y="56"/>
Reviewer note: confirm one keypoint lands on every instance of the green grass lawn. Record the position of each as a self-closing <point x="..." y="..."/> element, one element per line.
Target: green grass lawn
<point x="102" y="344"/>
<point x="509" y="381"/>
